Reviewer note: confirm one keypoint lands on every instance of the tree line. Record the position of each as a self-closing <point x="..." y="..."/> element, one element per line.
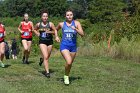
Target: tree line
<point x="99" y="18"/>
<point x="95" y="10"/>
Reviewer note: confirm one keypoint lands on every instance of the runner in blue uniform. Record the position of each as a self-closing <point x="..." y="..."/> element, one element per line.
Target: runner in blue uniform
<point x="68" y="46"/>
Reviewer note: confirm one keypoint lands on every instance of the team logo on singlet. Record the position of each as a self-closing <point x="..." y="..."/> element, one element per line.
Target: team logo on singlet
<point x="44" y="29"/>
<point x="26" y="34"/>
<point x="1" y="35"/>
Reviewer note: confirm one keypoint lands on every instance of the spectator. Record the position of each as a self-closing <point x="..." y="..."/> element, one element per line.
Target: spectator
<point x="7" y="50"/>
<point x="14" y="49"/>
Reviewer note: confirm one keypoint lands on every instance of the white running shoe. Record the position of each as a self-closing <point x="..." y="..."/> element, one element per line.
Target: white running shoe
<point x="2" y="65"/>
<point x="66" y="80"/>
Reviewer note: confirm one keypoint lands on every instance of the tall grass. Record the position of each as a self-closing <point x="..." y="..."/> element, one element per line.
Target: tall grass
<point x="14" y="22"/>
<point x="95" y="42"/>
<point x="125" y="49"/>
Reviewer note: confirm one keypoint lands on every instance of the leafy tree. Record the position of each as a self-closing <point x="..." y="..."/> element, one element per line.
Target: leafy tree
<point x="105" y="10"/>
<point x="33" y="7"/>
<point x="136" y="6"/>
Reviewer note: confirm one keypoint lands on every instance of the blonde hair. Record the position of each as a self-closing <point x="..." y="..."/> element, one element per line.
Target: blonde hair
<point x="25" y="15"/>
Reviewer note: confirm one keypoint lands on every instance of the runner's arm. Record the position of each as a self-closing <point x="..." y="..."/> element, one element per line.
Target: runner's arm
<point x="32" y="26"/>
<point x="36" y="29"/>
<point x="59" y="26"/>
<point x="4" y="31"/>
<point x="55" y="32"/>
<point x="19" y="28"/>
<point x="78" y="28"/>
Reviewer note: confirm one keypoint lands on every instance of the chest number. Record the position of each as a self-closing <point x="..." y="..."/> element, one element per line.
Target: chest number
<point x="69" y="35"/>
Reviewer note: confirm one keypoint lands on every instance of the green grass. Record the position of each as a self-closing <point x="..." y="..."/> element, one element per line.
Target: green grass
<point x="88" y="75"/>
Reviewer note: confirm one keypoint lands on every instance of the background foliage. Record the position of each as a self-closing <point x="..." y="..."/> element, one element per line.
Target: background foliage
<point x="107" y="22"/>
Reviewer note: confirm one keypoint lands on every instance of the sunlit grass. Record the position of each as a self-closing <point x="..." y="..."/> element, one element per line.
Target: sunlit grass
<point x="88" y="75"/>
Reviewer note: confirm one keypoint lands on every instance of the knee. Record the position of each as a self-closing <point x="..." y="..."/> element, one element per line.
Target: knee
<point x="29" y="49"/>
<point x="2" y="52"/>
<point x="46" y="58"/>
<point x="69" y="63"/>
<point x="25" y="48"/>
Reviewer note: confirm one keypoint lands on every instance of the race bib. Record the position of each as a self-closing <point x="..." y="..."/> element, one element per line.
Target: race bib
<point x="26" y="34"/>
<point x="43" y="35"/>
<point x="1" y="35"/>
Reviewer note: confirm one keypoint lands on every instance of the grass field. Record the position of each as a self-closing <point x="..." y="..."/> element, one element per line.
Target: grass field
<point x="88" y="75"/>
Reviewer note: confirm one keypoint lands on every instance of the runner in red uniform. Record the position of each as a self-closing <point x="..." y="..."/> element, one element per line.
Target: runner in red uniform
<point x="2" y="44"/>
<point x="26" y="28"/>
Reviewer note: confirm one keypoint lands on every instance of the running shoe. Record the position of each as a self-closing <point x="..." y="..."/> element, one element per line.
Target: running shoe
<point x="47" y="75"/>
<point x="27" y="62"/>
<point x="66" y="80"/>
<point x="23" y="60"/>
<point x="41" y="61"/>
<point x="2" y="65"/>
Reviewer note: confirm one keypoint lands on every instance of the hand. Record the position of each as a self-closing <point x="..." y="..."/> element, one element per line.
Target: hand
<point x="47" y="30"/>
<point x="21" y="32"/>
<point x="30" y="30"/>
<point x="57" y="39"/>
<point x="38" y="34"/>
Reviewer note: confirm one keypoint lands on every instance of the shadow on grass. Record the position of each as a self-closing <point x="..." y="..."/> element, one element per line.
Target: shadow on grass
<point x="43" y="72"/>
<point x="6" y="66"/>
<point x="70" y="78"/>
<point x="30" y="62"/>
<point x="75" y="78"/>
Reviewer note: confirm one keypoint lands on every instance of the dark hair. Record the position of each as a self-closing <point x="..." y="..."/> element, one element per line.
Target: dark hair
<point x="68" y="10"/>
<point x="44" y="11"/>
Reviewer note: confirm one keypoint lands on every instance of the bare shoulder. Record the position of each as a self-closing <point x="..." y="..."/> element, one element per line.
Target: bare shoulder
<point x="51" y="23"/>
<point x="76" y="22"/>
<point x="61" y="24"/>
<point x="30" y="22"/>
<point x="2" y="25"/>
<point x="37" y="25"/>
<point x="21" y="22"/>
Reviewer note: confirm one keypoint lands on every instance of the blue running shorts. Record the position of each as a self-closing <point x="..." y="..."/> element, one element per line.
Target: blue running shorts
<point x="70" y="48"/>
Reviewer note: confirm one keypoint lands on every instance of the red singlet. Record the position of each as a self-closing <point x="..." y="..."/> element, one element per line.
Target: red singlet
<point x="27" y="28"/>
<point x="1" y="32"/>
